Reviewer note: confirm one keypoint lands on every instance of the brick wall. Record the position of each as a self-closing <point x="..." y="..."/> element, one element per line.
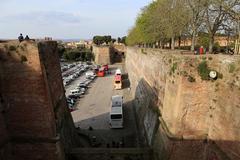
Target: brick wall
<point x="198" y="119"/>
<point x="37" y="119"/>
<point x="103" y="54"/>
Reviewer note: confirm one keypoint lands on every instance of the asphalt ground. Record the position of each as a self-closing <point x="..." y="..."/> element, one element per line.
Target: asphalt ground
<point x="92" y="111"/>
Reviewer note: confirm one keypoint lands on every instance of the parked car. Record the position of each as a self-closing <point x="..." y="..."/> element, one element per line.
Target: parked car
<point x="73" y="96"/>
<point x="75" y="92"/>
<point x="81" y="90"/>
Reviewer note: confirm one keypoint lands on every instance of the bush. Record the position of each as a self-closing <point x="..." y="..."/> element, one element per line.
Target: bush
<point x="231" y="68"/>
<point x="220" y="75"/>
<point x="174" y="67"/>
<point x="143" y="52"/>
<point x="210" y="58"/>
<point x="23" y="58"/>
<point x="203" y="70"/>
<point x="191" y="79"/>
<point x="12" y="48"/>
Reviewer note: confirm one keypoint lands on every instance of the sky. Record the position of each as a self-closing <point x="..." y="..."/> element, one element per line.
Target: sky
<point x="68" y="19"/>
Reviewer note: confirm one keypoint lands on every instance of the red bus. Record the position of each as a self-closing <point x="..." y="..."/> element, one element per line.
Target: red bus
<point x="101" y="72"/>
<point x="118" y="82"/>
<point x="105" y="67"/>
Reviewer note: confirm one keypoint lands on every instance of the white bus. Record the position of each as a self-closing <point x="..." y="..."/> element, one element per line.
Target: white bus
<point x="116" y="113"/>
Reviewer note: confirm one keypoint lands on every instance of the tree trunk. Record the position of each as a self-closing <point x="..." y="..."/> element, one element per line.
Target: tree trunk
<point x="172" y="43"/>
<point x="160" y="44"/>
<point x="193" y="41"/>
<point x="211" y="42"/>
<point x="179" y="42"/>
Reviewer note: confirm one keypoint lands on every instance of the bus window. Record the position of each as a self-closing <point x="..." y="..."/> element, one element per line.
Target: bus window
<point x="116" y="116"/>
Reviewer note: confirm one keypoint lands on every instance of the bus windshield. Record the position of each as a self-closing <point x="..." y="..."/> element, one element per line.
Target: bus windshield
<point x="116" y="116"/>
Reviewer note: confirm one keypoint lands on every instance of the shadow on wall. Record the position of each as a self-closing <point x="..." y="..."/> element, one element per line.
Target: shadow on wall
<point x="125" y="81"/>
<point x="167" y="146"/>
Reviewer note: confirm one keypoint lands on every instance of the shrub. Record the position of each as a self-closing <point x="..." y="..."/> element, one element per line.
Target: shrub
<point x="203" y="70"/>
<point x="22" y="48"/>
<point x="23" y="58"/>
<point x="191" y="79"/>
<point x="174" y="67"/>
<point x="12" y="48"/>
<point x="143" y="52"/>
<point x="220" y="75"/>
<point x="231" y="68"/>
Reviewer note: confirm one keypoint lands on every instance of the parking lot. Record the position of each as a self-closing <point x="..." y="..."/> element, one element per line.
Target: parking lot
<point x="91" y="113"/>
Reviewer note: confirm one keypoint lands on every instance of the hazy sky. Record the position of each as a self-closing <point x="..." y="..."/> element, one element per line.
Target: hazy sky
<point x="68" y="18"/>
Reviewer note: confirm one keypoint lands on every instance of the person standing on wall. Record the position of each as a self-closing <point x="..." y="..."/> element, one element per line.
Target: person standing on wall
<point x="201" y="50"/>
<point x="27" y="38"/>
<point x="20" y="38"/>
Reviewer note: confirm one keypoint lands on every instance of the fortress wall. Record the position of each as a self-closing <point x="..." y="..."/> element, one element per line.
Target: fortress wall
<point x="182" y="118"/>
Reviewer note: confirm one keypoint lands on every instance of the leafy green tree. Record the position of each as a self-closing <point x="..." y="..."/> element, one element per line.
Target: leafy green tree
<point x="89" y="56"/>
<point x="119" y="40"/>
<point x="98" y="40"/>
<point x="61" y="49"/>
<point x="107" y="39"/>
<point x="113" y="40"/>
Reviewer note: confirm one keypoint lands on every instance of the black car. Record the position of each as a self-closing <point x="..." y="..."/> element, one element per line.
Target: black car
<point x="71" y="101"/>
<point x="72" y="96"/>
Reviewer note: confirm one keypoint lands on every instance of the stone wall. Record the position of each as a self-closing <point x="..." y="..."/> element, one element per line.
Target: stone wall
<point x="4" y="138"/>
<point x="103" y="54"/>
<point x="181" y="115"/>
<point x="35" y="111"/>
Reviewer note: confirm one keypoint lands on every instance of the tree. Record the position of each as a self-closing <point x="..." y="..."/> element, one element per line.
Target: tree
<point x="61" y="49"/>
<point x="214" y="19"/>
<point x="197" y="12"/>
<point x="164" y="20"/>
<point x="107" y="39"/>
<point x="158" y="21"/>
<point x="113" y="40"/>
<point x="123" y="40"/>
<point x="119" y="40"/>
<point x="98" y="40"/>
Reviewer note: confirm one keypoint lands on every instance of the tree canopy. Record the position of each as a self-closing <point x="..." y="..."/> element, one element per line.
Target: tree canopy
<point x="164" y="20"/>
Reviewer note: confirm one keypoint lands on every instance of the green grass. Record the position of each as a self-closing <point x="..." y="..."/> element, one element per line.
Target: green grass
<point x="203" y="70"/>
<point x="174" y="67"/>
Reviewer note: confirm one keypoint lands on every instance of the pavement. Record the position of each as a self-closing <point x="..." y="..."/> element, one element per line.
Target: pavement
<point x="92" y="110"/>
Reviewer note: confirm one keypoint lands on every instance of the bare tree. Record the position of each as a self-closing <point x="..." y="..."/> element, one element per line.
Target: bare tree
<point x="214" y="19"/>
<point x="196" y="11"/>
<point x="232" y="8"/>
